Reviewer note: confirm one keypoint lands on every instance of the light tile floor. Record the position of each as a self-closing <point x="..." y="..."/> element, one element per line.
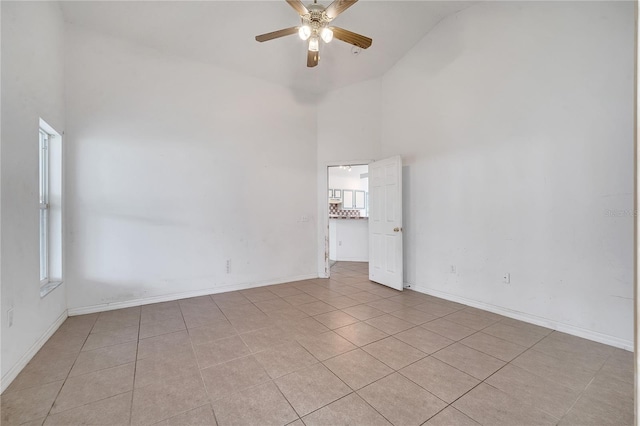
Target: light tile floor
<point x="318" y="352"/>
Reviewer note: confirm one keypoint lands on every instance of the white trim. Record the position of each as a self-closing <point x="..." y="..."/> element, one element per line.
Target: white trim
<point x="184" y="295"/>
<point x="47" y="128"/>
<point x="13" y="372"/>
<point x="48" y="287"/>
<point x="533" y="319"/>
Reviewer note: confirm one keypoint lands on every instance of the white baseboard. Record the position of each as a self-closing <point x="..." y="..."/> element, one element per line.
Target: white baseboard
<point x="10" y="376"/>
<point x="533" y="319"/>
<point x="183" y="295"/>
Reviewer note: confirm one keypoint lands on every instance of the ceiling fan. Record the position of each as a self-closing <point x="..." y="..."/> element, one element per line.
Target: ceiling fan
<point x="315" y="25"/>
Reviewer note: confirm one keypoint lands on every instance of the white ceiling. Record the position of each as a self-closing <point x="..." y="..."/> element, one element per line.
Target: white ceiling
<point x="356" y="170"/>
<point x="222" y="33"/>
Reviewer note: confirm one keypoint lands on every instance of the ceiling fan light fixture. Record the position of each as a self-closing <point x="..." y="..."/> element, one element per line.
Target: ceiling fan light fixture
<point x="313" y="44"/>
<point x="326" y="34"/>
<point x="304" y="32"/>
<point x="314" y="25"/>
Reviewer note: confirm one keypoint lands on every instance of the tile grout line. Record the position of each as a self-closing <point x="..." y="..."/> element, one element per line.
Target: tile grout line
<point x="583" y="391"/>
<point x="272" y="380"/>
<point x="69" y="372"/>
<point x="527" y="348"/>
<point x="164" y="334"/>
<point x="367" y="402"/>
<point x="92" y="402"/>
<point x="393" y="371"/>
<point x="493" y="356"/>
<point x="353" y="391"/>
<point x="9" y="390"/>
<point x="94" y="371"/>
<point x="519" y="399"/>
<point x="206" y="391"/>
<point x="135" y="369"/>
<point x="286" y="399"/>
<point x="321" y="363"/>
<point x="324" y="300"/>
<point x="480" y="382"/>
<point x="548" y="378"/>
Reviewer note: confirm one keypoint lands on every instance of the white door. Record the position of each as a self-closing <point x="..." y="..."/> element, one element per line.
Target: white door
<point x="385" y="222"/>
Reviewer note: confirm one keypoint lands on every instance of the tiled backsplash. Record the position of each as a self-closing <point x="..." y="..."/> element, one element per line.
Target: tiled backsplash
<point x="334" y="210"/>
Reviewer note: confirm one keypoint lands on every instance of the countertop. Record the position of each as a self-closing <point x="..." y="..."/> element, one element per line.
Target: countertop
<point x="347" y="217"/>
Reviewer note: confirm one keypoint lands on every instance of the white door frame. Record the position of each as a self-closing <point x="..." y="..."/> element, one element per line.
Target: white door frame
<point x="323" y="213"/>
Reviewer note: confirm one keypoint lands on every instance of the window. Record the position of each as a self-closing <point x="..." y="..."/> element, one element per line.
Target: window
<point x="50" y="198"/>
<point x="44" y="207"/>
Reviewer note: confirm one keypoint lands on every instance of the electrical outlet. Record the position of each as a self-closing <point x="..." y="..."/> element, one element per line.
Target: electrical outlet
<point x="10" y="317"/>
<point x="453" y="269"/>
<point x="228" y="266"/>
<point x="506" y="278"/>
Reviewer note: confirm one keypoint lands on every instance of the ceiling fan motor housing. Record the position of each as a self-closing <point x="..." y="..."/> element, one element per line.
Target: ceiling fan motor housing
<point x="316" y="18"/>
<point x="315" y="26"/>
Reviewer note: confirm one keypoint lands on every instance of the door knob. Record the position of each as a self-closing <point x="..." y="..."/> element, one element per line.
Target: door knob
<point x="397" y="229"/>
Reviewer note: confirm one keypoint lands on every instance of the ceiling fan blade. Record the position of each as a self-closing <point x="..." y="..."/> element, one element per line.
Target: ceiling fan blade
<point x="337" y="7"/>
<point x="312" y="59"/>
<point x="351" y="37"/>
<point x="276" y="34"/>
<point x="298" y="6"/>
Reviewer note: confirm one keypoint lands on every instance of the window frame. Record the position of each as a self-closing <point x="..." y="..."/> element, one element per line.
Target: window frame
<point x="51" y="208"/>
<point x="44" y="196"/>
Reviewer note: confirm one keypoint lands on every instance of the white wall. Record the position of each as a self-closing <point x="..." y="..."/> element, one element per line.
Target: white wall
<point x="175" y="167"/>
<point x="349" y="240"/>
<point x="32" y="88"/>
<point x="348" y="124"/>
<point x="514" y="121"/>
<point x="348" y="132"/>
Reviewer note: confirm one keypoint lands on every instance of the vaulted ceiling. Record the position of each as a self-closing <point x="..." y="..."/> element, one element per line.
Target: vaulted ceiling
<point x="222" y="33"/>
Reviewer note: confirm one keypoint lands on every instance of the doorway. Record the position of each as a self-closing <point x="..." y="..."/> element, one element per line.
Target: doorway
<point x="348" y="213"/>
<point x="383" y="210"/>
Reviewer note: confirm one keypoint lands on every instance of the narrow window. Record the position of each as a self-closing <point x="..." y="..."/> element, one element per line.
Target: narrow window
<point x="51" y="211"/>
<point x="44" y="207"/>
